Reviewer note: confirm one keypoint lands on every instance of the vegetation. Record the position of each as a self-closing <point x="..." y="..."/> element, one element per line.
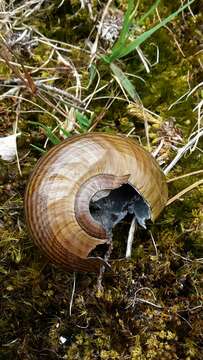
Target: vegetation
<point x="68" y="67"/>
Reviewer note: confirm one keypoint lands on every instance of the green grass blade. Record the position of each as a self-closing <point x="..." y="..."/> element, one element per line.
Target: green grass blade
<point x="126" y="24"/>
<point x="124" y="81"/>
<point x="65" y="132"/>
<point x="92" y="74"/>
<point x="52" y="137"/>
<point x="83" y="120"/>
<point x="124" y="32"/>
<point x="119" y="53"/>
<point x="151" y="9"/>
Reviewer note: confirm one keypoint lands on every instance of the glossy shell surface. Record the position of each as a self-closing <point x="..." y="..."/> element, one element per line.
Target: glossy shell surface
<point x="50" y="200"/>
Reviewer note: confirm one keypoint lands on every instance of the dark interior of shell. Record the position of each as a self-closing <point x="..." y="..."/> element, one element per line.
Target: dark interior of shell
<point x="111" y="207"/>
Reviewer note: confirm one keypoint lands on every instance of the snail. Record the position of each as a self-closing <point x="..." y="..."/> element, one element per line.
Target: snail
<point x="82" y="187"/>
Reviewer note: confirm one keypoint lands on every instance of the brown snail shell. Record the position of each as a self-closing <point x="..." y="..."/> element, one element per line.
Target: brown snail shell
<point x="65" y="180"/>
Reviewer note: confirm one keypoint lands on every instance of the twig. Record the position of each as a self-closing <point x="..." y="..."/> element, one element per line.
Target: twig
<point x="60" y="92"/>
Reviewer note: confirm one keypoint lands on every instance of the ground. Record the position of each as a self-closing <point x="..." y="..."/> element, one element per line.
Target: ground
<point x="150" y="305"/>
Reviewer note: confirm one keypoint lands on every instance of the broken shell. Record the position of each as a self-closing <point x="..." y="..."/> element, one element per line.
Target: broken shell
<point x="73" y="183"/>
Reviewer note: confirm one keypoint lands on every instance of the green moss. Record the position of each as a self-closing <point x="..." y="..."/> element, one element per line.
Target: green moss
<point x="150" y="305"/>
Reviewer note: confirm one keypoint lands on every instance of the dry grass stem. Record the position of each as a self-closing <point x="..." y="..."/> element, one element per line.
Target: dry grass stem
<point x="72" y="294"/>
<point x="15" y="132"/>
<point x="184" y="191"/>
<point x="131" y="238"/>
<point x="185" y="175"/>
<point x="173" y="35"/>
<point x="183" y="150"/>
<point x="154" y="243"/>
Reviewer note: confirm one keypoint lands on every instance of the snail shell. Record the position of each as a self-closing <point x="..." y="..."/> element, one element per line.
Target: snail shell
<point x="73" y="173"/>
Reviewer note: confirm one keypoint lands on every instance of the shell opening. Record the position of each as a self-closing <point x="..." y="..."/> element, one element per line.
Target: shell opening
<point x="111" y="207"/>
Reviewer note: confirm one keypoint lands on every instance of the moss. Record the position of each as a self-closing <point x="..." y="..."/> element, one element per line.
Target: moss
<point x="150" y="306"/>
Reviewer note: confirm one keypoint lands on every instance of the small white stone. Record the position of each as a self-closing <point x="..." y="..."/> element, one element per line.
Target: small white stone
<point x="62" y="340"/>
<point x="8" y="147"/>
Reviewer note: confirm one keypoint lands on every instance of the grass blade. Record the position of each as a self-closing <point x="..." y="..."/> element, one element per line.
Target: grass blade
<point x="65" y="132"/>
<point x="151" y="9"/>
<point x="124" y="81"/>
<point x="38" y="148"/>
<point x="118" y="53"/>
<point x="126" y="24"/>
<point x="92" y="74"/>
<point x="52" y="137"/>
<point x="83" y="120"/>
